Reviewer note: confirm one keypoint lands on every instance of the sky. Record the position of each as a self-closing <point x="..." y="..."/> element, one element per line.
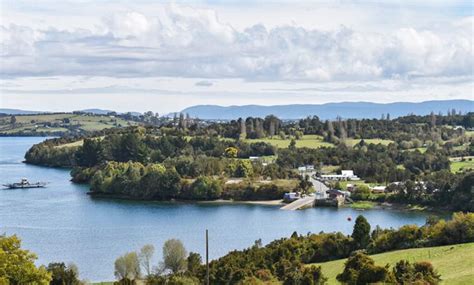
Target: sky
<point x="162" y="56"/>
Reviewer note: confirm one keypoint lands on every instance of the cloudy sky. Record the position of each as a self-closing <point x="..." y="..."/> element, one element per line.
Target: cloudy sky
<point x="151" y="55"/>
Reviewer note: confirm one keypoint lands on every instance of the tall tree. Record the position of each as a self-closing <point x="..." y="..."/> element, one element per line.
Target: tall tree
<point x="127" y="267"/>
<point x="361" y="232"/>
<point x="432" y="120"/>
<point x="243" y="128"/>
<point x="174" y="256"/>
<point x="145" y="256"/>
<point x="194" y="261"/>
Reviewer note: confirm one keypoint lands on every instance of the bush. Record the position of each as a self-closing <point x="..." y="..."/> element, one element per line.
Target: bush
<point x="361" y="269"/>
<point x="417" y="273"/>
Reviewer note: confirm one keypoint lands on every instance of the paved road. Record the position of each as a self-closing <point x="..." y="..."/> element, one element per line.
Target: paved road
<point x="320" y="193"/>
<point x="320" y="188"/>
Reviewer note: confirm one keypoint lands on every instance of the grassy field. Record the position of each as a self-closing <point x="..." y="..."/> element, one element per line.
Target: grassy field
<point x="362" y="205"/>
<point x="330" y="168"/>
<point x="353" y="142"/>
<point x="455" y="263"/>
<point x="51" y="123"/>
<point x="457" y="165"/>
<point x="314" y="141"/>
<point x="309" y="141"/>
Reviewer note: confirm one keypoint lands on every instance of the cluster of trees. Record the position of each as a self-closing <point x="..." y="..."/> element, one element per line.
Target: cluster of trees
<point x="361" y="269"/>
<point x="158" y="182"/>
<point x="441" y="188"/>
<point x="177" y="266"/>
<point x="372" y="162"/>
<point x="426" y="128"/>
<point x="135" y="145"/>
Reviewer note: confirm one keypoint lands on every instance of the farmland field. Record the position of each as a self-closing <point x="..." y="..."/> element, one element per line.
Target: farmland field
<point x="55" y="123"/>
<point x="459" y="165"/>
<point x="455" y="263"/>
<point x="353" y="142"/>
<point x="309" y="141"/>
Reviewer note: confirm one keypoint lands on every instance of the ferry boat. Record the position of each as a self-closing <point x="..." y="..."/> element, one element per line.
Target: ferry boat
<point x="24" y="184"/>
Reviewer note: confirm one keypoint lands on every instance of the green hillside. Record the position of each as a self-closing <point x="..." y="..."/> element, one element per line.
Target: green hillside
<point x="455" y="263"/>
<point x="58" y="124"/>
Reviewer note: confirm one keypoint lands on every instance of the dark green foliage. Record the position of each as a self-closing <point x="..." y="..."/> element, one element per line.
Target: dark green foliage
<point x="360" y="269"/>
<point x="302" y="275"/>
<point x="203" y="188"/>
<point x="63" y="275"/>
<point x="248" y="191"/>
<point x="441" y="188"/>
<point x="50" y="155"/>
<point x="194" y="262"/>
<point x="417" y="273"/>
<point x="463" y="196"/>
<point x="90" y="153"/>
<point x="361" y="233"/>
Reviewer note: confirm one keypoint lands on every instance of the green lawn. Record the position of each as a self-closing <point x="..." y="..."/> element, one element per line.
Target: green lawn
<point x="455" y="263"/>
<point x="309" y="141"/>
<point x="462" y="166"/>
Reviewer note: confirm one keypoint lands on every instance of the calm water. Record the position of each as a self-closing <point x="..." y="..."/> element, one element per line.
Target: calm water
<point x="62" y="223"/>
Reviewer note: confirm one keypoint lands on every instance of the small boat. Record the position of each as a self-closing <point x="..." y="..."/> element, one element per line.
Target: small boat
<point x="24" y="184"/>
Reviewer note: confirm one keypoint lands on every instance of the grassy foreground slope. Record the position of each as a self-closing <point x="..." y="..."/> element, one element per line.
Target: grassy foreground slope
<point x="455" y="263"/>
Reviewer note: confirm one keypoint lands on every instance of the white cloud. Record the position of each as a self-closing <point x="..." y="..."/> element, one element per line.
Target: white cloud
<point x="241" y="53"/>
<point x="188" y="42"/>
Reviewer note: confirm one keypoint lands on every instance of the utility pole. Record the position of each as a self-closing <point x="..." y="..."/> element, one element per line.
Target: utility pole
<point x="207" y="257"/>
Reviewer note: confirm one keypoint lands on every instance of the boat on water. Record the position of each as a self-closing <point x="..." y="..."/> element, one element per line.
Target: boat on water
<point x="24" y="184"/>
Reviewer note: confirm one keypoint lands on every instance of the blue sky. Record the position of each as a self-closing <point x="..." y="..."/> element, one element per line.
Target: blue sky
<point x="161" y="56"/>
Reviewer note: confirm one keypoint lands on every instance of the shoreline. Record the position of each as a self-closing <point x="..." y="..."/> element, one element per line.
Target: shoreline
<point x="249" y="202"/>
<point x="180" y="201"/>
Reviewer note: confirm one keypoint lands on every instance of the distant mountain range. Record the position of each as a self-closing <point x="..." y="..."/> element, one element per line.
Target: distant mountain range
<point x="356" y="110"/>
<point x="19" y="112"/>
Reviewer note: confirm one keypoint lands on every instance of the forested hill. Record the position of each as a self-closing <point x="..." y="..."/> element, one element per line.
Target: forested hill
<point x="355" y="110"/>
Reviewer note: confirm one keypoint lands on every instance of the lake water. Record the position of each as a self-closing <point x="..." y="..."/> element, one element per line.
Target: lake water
<point x="62" y="223"/>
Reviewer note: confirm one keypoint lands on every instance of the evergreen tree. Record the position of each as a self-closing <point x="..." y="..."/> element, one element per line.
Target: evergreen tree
<point x="361" y="233"/>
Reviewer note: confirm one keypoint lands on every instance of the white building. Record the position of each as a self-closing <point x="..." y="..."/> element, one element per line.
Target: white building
<point x="345" y="175"/>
